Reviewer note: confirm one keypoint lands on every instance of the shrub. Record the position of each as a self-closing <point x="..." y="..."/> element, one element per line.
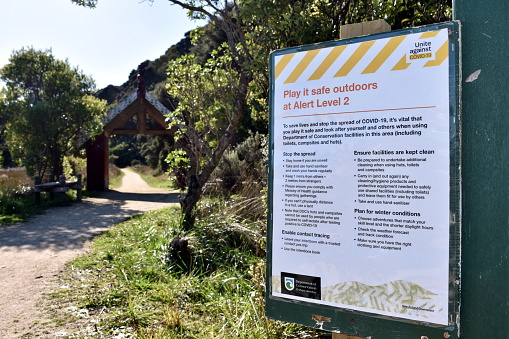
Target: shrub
<point x="243" y="165"/>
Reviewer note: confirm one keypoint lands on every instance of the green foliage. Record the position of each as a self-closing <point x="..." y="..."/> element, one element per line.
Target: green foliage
<point x="74" y="165"/>
<point x="125" y="149"/>
<point x="403" y="13"/>
<point x="155" y="151"/>
<point x="48" y="108"/>
<point x="176" y="159"/>
<point x="201" y="112"/>
<point x="243" y="165"/>
<point x="206" y="96"/>
<point x="205" y="40"/>
<point x="177" y="164"/>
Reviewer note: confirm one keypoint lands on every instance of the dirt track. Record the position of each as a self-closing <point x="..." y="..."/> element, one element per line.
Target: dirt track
<point x="33" y="253"/>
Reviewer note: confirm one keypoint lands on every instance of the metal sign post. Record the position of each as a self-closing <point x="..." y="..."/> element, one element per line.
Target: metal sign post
<point x="485" y="169"/>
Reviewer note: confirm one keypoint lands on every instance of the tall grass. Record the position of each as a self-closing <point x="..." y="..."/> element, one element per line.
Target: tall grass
<point x="128" y="284"/>
<point x="17" y="202"/>
<point x="115" y="176"/>
<point x="14" y="182"/>
<point x="15" y="197"/>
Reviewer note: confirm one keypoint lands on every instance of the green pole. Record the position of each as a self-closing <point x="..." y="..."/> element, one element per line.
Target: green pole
<point x="485" y="167"/>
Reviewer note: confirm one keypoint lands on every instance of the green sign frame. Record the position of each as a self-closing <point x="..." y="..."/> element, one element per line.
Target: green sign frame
<point x="352" y="321"/>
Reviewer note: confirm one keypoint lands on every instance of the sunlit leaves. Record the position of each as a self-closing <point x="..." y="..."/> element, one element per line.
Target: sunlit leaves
<point x="204" y="93"/>
<point x="176" y="159"/>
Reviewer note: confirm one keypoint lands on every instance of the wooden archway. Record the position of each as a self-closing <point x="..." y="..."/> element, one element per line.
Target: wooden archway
<point x="140" y="113"/>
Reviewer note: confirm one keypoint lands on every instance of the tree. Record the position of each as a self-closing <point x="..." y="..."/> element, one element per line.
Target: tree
<point x="203" y="118"/>
<point x="233" y="77"/>
<point x="48" y="107"/>
<point x="3" y="147"/>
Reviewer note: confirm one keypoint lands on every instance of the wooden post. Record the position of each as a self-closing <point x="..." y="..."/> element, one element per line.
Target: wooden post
<point x="78" y="188"/>
<point x="363" y="28"/>
<point x="51" y="178"/>
<point x="142" y="121"/>
<point x="97" y="163"/>
<point x="61" y="182"/>
<point x="37" y="194"/>
<point x="351" y="31"/>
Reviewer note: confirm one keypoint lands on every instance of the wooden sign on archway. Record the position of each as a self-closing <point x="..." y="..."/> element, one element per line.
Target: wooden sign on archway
<point x="140" y="113"/>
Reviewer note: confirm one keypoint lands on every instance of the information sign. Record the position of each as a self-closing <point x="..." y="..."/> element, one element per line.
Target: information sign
<point x="364" y="176"/>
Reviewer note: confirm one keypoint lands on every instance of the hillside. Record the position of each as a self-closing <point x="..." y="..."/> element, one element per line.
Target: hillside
<point x="156" y="70"/>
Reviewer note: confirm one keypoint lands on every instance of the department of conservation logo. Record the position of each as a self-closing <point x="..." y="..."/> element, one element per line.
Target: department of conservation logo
<point x="289" y="283"/>
<point x="301" y="285"/>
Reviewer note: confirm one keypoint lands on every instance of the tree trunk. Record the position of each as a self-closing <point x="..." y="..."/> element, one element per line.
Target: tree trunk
<point x="188" y="203"/>
<point x="196" y="183"/>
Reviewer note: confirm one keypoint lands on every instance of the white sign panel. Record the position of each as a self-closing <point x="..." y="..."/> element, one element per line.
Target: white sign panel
<point x="360" y="189"/>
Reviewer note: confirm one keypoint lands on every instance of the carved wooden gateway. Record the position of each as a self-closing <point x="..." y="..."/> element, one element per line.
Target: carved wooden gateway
<point x="139" y="113"/>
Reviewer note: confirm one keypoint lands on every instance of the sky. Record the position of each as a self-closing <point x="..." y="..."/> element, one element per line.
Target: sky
<point x="107" y="42"/>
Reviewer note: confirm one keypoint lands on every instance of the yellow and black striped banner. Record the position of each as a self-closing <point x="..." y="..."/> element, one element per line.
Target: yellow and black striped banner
<point x="392" y="54"/>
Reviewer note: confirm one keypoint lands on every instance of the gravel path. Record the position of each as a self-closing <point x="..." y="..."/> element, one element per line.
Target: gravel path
<point x="34" y="252"/>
